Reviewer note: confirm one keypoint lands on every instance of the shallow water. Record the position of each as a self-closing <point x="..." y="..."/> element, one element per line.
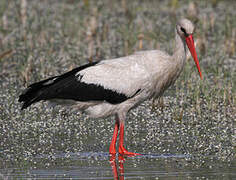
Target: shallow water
<point x="89" y="165"/>
<point x="68" y="145"/>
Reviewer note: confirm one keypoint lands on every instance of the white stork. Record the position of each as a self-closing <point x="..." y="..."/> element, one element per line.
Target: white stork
<point x="113" y="87"/>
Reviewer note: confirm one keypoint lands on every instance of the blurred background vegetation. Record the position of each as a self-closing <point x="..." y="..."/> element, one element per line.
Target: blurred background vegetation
<point x="43" y="38"/>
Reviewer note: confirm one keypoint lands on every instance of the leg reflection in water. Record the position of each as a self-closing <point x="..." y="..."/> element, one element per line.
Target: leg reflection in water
<point x="118" y="175"/>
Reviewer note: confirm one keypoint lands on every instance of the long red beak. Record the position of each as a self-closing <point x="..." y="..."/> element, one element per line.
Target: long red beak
<point x="190" y="43"/>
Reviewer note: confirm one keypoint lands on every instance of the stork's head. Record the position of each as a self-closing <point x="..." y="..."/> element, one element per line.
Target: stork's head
<point x="185" y="29"/>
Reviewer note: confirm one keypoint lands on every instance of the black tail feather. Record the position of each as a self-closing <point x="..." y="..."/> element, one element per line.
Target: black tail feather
<point x="33" y="93"/>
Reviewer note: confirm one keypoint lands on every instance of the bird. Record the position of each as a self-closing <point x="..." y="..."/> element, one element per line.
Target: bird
<point x="113" y="87"/>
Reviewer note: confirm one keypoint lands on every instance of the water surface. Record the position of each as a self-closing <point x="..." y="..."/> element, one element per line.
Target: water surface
<point x="100" y="165"/>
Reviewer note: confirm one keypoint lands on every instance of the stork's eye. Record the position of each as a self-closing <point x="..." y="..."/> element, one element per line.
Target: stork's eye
<point x="184" y="31"/>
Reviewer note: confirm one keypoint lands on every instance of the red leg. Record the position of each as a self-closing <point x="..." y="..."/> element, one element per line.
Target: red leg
<point x="112" y="149"/>
<point x="113" y="166"/>
<point x="122" y="150"/>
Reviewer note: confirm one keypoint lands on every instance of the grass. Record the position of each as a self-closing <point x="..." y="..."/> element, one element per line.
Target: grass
<point x="51" y="37"/>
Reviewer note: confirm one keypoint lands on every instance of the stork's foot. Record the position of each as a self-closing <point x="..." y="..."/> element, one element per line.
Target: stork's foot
<point x="123" y="151"/>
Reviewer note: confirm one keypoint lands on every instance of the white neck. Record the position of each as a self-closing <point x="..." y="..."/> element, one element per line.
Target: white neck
<point x="179" y="54"/>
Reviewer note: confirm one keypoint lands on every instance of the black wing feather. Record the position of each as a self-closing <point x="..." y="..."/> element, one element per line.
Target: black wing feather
<point x="69" y="86"/>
